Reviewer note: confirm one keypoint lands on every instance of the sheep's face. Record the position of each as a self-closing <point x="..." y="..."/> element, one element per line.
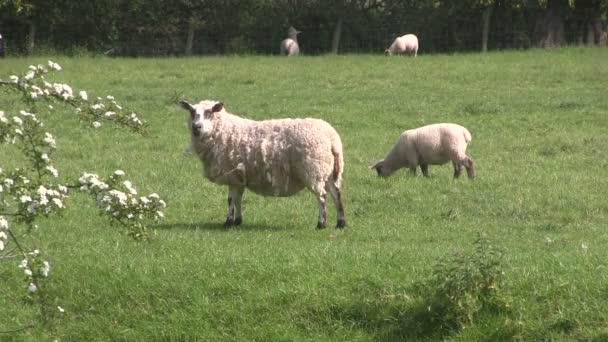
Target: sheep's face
<point x="202" y="115"/>
<point x="381" y="169"/>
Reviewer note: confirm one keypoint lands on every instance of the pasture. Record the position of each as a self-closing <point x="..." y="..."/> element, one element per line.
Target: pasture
<point x="539" y="121"/>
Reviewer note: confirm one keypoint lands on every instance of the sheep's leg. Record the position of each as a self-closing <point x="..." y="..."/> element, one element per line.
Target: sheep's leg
<point x="238" y="199"/>
<point x="322" y="200"/>
<point x="469" y="164"/>
<point x="413" y="170"/>
<point x="336" y="195"/>
<point x="425" y="169"/>
<point x="233" y="217"/>
<point x="457" y="168"/>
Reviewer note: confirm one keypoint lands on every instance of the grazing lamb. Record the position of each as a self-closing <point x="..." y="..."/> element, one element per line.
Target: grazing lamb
<point x="289" y="46"/>
<point x="271" y="158"/>
<point x="407" y="44"/>
<point x="429" y="145"/>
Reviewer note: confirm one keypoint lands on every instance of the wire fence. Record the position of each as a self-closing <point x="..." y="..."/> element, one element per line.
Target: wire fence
<point x="463" y="35"/>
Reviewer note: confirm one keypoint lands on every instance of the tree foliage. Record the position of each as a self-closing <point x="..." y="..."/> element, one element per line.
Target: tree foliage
<point x="161" y="27"/>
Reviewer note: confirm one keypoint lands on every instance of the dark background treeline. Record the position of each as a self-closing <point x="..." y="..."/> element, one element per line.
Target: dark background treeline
<point x="182" y="27"/>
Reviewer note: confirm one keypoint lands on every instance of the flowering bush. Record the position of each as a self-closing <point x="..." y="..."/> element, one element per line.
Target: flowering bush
<point x="35" y="188"/>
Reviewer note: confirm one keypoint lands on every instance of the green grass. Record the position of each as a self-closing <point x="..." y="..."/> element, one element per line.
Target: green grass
<point x="539" y="121"/>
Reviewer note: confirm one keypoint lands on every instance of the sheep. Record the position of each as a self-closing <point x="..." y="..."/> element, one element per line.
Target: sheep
<point x="429" y="145"/>
<point x="406" y="44"/>
<point x="289" y="46"/>
<point x="271" y="158"/>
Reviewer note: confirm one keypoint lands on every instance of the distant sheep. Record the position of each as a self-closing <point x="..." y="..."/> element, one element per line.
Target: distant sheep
<point x="271" y="158"/>
<point x="290" y="46"/>
<point x="429" y="145"/>
<point x="407" y="44"/>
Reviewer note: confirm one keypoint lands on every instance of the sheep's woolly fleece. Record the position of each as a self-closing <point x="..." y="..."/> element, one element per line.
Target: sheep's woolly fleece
<point x="271" y="157"/>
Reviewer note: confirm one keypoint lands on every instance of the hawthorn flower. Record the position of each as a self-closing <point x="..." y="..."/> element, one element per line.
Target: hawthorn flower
<point x="14" y="79"/>
<point x="57" y="202"/>
<point x="3" y="223"/>
<point x="45" y="269"/>
<point x="45" y="157"/>
<point x="119" y="173"/>
<point x="50" y="140"/>
<point x="32" y="288"/>
<point x="53" y="171"/>
<point x="25" y="199"/>
<point x="18" y="121"/>
<point x="83" y="95"/>
<point x="96" y="124"/>
<point x="29" y="76"/>
<point x="54" y="65"/>
<point x="109" y="114"/>
<point x="60" y="309"/>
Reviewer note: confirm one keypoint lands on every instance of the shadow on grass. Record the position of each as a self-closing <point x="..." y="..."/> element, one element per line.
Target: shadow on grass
<point x="218" y="227"/>
<point x="402" y="321"/>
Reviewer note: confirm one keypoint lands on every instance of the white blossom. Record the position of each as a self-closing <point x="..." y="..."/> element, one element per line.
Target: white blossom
<point x="3" y="223"/>
<point x="45" y="157"/>
<point x="32" y="288"/>
<point x="14" y="79"/>
<point x="119" y="173"/>
<point x="57" y="202"/>
<point x="18" y="121"/>
<point x="52" y="170"/>
<point x="54" y="65"/>
<point x="29" y="76"/>
<point x="60" y="309"/>
<point x="45" y="269"/>
<point x="83" y="95"/>
<point x="50" y="140"/>
<point x="25" y="199"/>
<point x="96" y="124"/>
<point x="109" y="114"/>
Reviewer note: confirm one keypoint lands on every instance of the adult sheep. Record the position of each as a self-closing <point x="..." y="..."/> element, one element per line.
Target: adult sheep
<point x="271" y="157"/>
<point x="407" y="44"/>
<point x="429" y="145"/>
<point x="289" y="45"/>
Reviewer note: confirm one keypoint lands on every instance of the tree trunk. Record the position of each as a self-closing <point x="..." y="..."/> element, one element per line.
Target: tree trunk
<point x="31" y="39"/>
<point x="549" y="27"/>
<point x="487" y="14"/>
<point x="190" y="38"/>
<point x="335" y="42"/>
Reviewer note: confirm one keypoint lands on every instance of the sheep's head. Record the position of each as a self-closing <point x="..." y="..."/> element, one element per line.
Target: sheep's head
<point x="381" y="169"/>
<point x="202" y="115"/>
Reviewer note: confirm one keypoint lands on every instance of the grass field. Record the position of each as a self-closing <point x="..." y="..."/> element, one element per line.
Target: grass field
<point x="539" y="121"/>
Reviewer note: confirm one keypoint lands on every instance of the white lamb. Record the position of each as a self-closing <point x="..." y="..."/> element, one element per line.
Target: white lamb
<point x="429" y="145"/>
<point x="407" y="44"/>
<point x="271" y="158"/>
<point x="290" y="46"/>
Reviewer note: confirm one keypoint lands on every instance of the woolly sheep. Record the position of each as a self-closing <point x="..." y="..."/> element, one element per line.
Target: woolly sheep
<point x="429" y="145"/>
<point x="289" y="46"/>
<point x="402" y="45"/>
<point x="271" y="157"/>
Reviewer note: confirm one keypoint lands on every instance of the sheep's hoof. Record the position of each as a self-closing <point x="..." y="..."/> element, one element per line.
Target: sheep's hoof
<point x="341" y="224"/>
<point x="320" y="225"/>
<point x="238" y="221"/>
<point x="229" y="223"/>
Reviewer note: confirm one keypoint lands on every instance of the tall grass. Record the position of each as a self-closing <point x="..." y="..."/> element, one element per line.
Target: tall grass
<point x="539" y="121"/>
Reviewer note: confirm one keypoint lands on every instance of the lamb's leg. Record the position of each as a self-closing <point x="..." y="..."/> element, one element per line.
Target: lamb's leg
<point x="336" y="194"/>
<point x="469" y="164"/>
<point x="322" y="200"/>
<point x="457" y="168"/>
<point x="234" y="206"/>
<point x="425" y="169"/>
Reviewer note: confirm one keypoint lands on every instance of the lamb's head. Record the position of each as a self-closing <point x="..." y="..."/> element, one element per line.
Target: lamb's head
<point x="200" y="120"/>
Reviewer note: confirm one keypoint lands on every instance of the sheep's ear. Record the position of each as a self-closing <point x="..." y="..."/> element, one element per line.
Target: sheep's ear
<point x="375" y="166"/>
<point x="186" y="105"/>
<point x="217" y="107"/>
